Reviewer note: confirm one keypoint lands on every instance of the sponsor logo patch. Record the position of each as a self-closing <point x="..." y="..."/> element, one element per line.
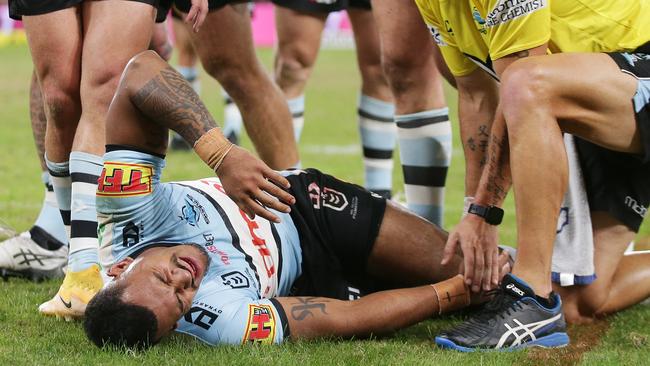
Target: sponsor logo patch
<point x="124" y="180"/>
<point x="635" y="206"/>
<point x="200" y="316"/>
<point x="261" y="325"/>
<point x="507" y="10"/>
<point x="235" y="279"/>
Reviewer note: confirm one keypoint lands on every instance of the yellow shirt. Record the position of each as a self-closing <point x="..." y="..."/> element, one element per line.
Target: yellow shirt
<point x="475" y="32"/>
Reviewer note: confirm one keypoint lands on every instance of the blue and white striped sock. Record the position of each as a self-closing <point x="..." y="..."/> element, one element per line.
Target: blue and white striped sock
<point x="297" y="109"/>
<point x="62" y="185"/>
<point x="49" y="219"/>
<point x="232" y="119"/>
<point x="377" y="130"/>
<point x="84" y="246"/>
<point x="425" y="151"/>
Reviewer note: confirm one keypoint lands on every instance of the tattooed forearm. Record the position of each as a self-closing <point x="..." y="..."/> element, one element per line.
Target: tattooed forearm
<point x="38" y="118"/>
<point x="498" y="168"/>
<point x="303" y="309"/>
<point x="169" y="100"/>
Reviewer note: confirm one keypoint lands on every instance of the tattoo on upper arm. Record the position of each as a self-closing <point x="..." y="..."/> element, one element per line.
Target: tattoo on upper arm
<point x="306" y="305"/>
<point x="169" y="100"/>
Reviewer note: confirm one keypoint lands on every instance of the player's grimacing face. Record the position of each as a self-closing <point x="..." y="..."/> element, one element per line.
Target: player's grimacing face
<point x="164" y="280"/>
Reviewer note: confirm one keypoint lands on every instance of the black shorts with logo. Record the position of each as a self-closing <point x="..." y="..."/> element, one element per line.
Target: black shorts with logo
<point x="18" y="8"/>
<point x="337" y="223"/>
<point x="617" y="183"/>
<point x="322" y="6"/>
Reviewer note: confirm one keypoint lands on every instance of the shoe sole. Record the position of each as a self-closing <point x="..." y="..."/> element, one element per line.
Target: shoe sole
<point x="555" y="340"/>
<point x="34" y="275"/>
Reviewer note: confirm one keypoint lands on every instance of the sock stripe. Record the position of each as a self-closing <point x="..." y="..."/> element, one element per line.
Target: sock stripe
<point x="49" y="187"/>
<point x="374" y="117"/>
<point x="59" y="174"/>
<point x="83" y="229"/>
<point x="432" y="176"/>
<point x="298" y="114"/>
<point x="423" y="122"/>
<point x="371" y="153"/>
<point x="84" y="178"/>
<point x="65" y="216"/>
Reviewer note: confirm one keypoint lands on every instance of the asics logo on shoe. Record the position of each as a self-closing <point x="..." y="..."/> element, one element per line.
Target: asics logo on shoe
<point x="67" y="304"/>
<point x="523" y="332"/>
<point x="511" y="286"/>
<point x="29" y="257"/>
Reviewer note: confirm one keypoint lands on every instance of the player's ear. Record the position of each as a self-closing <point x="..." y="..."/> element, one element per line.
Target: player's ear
<point x="118" y="268"/>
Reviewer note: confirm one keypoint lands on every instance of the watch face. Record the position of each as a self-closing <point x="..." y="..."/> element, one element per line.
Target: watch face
<point x="494" y="215"/>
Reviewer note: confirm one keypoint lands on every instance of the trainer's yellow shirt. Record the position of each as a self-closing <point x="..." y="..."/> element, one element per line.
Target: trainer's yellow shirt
<point x="486" y="30"/>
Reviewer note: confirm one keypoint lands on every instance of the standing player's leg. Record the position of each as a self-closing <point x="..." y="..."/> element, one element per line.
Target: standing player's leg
<point x="541" y="98"/>
<point x="42" y="251"/>
<point x="375" y="109"/>
<point x="423" y="127"/>
<point x="186" y="65"/>
<point x="119" y="29"/>
<point x="225" y="47"/>
<point x="299" y="36"/>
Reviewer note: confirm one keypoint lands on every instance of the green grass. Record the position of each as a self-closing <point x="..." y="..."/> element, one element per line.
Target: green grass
<point x="27" y="338"/>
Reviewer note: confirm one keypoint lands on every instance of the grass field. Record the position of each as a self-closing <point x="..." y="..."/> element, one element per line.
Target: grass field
<point x="29" y="339"/>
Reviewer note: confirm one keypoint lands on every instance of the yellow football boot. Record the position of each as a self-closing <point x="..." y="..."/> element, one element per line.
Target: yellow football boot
<point x="74" y="294"/>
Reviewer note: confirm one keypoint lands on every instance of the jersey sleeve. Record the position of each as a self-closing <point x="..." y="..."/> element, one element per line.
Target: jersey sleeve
<point x="244" y="321"/>
<point x="514" y="26"/>
<point x="456" y="61"/>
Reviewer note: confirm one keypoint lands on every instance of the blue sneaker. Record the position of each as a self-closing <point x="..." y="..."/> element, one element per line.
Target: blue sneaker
<point x="513" y="319"/>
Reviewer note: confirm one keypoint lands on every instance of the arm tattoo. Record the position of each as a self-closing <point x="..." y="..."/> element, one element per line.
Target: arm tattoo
<point x="498" y="162"/>
<point x="37" y="116"/>
<point x="169" y="100"/>
<point x="305" y="305"/>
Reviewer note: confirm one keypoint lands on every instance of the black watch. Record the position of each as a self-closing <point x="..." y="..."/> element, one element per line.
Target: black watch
<point x="493" y="215"/>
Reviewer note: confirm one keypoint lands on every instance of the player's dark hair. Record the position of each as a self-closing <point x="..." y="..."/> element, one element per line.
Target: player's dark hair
<point x="111" y="321"/>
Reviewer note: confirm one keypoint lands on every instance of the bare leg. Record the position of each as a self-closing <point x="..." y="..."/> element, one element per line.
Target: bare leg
<point x="622" y="280"/>
<point x="38" y="119"/>
<point x="225" y="47"/>
<point x="55" y="42"/>
<point x="420" y="107"/>
<point x="541" y="97"/>
<point x="408" y="250"/>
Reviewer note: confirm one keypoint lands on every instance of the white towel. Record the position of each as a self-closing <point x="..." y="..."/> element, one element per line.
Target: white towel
<point x="573" y="254"/>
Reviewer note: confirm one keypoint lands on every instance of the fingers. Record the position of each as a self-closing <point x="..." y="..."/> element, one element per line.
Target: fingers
<point x="258" y="209"/>
<point x="277" y="192"/>
<point x="468" y="258"/>
<point x="276" y="178"/>
<point x="487" y="275"/>
<point x="271" y="202"/>
<point x="479" y="263"/>
<point x="200" y="17"/>
<point x="495" y="269"/>
<point x="450" y="249"/>
<point x="191" y="15"/>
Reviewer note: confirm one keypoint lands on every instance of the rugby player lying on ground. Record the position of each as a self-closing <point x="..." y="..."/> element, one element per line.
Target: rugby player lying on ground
<point x="260" y="281"/>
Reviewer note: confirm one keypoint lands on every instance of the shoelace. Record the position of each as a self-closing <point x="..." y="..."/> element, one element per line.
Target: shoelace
<point x="483" y="322"/>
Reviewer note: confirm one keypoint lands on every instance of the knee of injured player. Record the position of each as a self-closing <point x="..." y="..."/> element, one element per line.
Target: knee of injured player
<point x="147" y="297"/>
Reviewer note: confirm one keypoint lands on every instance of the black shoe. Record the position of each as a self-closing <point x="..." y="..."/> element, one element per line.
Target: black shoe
<point x="513" y="319"/>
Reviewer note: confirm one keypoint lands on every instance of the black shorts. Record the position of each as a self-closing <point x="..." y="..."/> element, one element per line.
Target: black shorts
<point x="338" y="223"/>
<point x="638" y="65"/>
<point x="18" y="8"/>
<point x="322" y="6"/>
<point x="615" y="182"/>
